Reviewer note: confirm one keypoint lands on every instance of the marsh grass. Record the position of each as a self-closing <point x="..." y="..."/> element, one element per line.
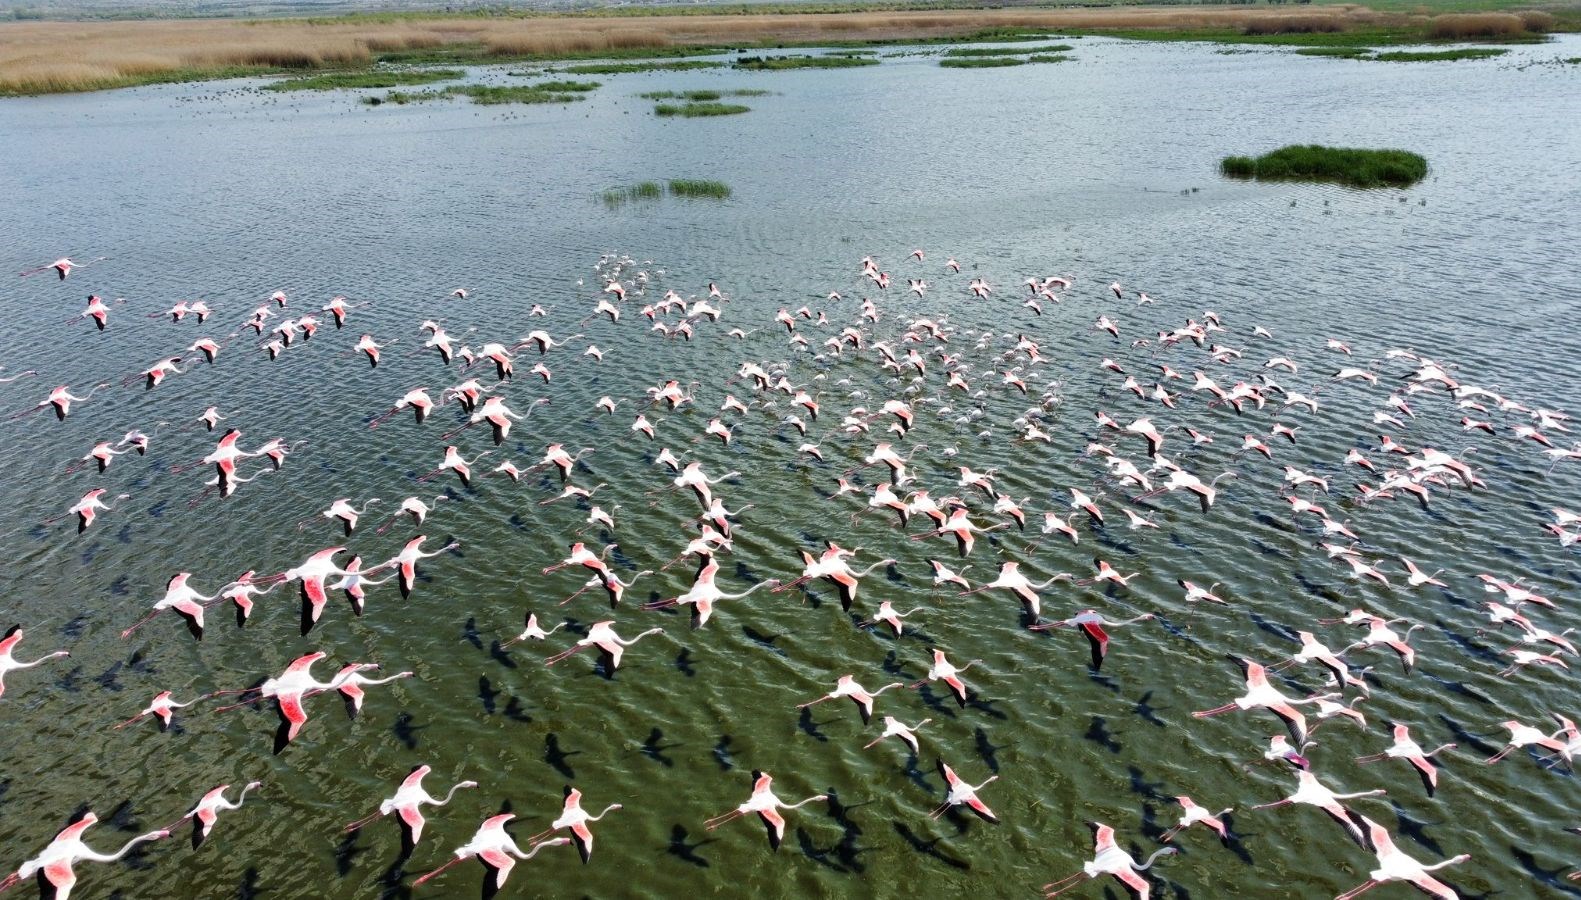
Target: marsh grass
<point x="332" y="81"/>
<point x="643" y="190"/>
<point x="693" y="188"/>
<point x="1045" y="58"/>
<point x="1349" y="166"/>
<point x="493" y="95"/>
<point x="779" y="63"/>
<point x="1007" y="51"/>
<point x="980" y="62"/>
<point x="701" y="96"/>
<point x="700" y="109"/>
<point x="621" y="68"/>
<point x="49" y="57"/>
<point x="1341" y="52"/>
<point x="1439" y="55"/>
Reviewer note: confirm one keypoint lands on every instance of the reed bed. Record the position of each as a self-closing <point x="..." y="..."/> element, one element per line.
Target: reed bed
<point x="980" y="62"/>
<point x="779" y="63"/>
<point x="702" y="96"/>
<point x="1008" y="51"/>
<point x="704" y="109"/>
<point x="620" y="68"/>
<point x="40" y="57"/>
<point x="1438" y="55"/>
<point x="696" y="188"/>
<point x="643" y="190"/>
<point x="1344" y="165"/>
<point x="332" y="81"/>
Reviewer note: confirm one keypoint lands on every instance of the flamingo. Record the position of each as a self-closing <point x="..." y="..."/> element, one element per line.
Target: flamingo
<point x="1407" y="749"/>
<point x="602" y="635"/>
<point x="893" y="727"/>
<point x="54" y="864"/>
<point x="493" y="846"/>
<point x="62" y="267"/>
<point x="1262" y="695"/>
<point x="847" y="686"/>
<point x="1092" y="625"/>
<point x="408" y="802"/>
<point x="943" y="670"/>
<point x="767" y="805"/>
<point x="1109" y="859"/>
<point x="208" y="810"/>
<point x="161" y="707"/>
<point x="1011" y="579"/>
<point x="182" y="598"/>
<point x="572" y="816"/>
<point x="1192" y="814"/>
<point x="1395" y="865"/>
<point x="9" y="663"/>
<point x="1312" y="792"/>
<point x="963" y="793"/>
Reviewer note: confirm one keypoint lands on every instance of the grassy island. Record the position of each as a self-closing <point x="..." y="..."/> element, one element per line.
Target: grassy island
<point x="1344" y="165"/>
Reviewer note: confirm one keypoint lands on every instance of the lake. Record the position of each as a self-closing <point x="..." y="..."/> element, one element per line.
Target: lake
<point x="1103" y="168"/>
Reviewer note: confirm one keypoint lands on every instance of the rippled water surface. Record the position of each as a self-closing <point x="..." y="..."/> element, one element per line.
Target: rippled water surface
<point x="1102" y="168"/>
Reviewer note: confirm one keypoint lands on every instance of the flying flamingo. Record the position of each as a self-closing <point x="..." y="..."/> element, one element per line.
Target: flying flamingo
<point x="1394" y="865"/>
<point x="350" y="681"/>
<point x="1407" y="749"/>
<point x="767" y="805"/>
<point x="9" y="663"/>
<point x="54" y="864"/>
<point x="572" y="816"/>
<point x="312" y="573"/>
<point x="1011" y="579"/>
<point x="943" y="670"/>
<point x="493" y="846"/>
<point x="1525" y="736"/>
<point x="182" y="598"/>
<point x="288" y="690"/>
<point x="405" y="562"/>
<point x="162" y="708"/>
<point x="893" y="727"/>
<point x="1262" y="695"/>
<point x="603" y="636"/>
<point x="1109" y="859"/>
<point x="62" y="267"/>
<point x="1192" y="814"/>
<point x="962" y="793"/>
<point x="408" y="803"/>
<point x="208" y="810"/>
<point x="1092" y="625"/>
<point x="890" y="616"/>
<point x="847" y="686"/>
<point x="1313" y="793"/>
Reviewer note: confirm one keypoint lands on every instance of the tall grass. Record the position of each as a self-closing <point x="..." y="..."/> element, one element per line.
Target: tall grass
<point x="37" y="56"/>
<point x="698" y="188"/>
<point x="1311" y="162"/>
<point x="980" y="62"/>
<point x="700" y="110"/>
<point x="643" y="190"/>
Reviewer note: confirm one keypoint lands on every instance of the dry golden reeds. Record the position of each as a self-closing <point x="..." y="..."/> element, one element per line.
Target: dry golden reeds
<point x="1455" y="26"/>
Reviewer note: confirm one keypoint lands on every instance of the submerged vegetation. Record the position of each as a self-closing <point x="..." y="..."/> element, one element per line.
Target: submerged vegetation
<point x="493" y="95"/>
<point x="700" y="109"/>
<point x="700" y="96"/>
<point x="1007" y="51"/>
<point x="980" y="62"/>
<point x="1349" y="166"/>
<point x="693" y="188"/>
<point x="1440" y="55"/>
<point x="48" y="57"/>
<point x="621" y="68"/>
<point x="378" y="79"/>
<point x="775" y="63"/>
<point x="686" y="188"/>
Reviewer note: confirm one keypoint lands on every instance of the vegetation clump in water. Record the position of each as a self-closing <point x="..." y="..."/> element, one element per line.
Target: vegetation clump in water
<point x="777" y="63"/>
<point x="642" y="190"/>
<point x="980" y="62"/>
<point x="332" y="81"/>
<point x="1440" y="55"/>
<point x="1312" y="162"/>
<point x="1007" y="51"/>
<point x="493" y="95"/>
<point x="620" y="68"/>
<point x="700" y="110"/>
<point x="699" y="188"/>
<point x="701" y="96"/>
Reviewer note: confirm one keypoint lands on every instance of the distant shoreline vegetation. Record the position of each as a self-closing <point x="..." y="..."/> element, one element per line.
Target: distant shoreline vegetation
<point x="42" y="57"/>
<point x="490" y="95"/>
<point x="1342" y="165"/>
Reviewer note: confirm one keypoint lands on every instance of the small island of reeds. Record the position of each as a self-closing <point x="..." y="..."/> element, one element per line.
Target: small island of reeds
<point x="685" y="188"/>
<point x="777" y="63"/>
<point x="694" y="110"/>
<point x="1344" y="165"/>
<point x="389" y="78"/>
<point x="494" y="95"/>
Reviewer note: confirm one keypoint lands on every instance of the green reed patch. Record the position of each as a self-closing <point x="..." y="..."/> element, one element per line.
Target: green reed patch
<point x="700" y="110"/>
<point x="1045" y="58"/>
<point x="778" y="63"/>
<point x="1340" y="52"/>
<point x="1440" y="55"/>
<point x="335" y="81"/>
<point x="642" y="190"/>
<point x="702" y="96"/>
<point x="1007" y="51"/>
<point x="979" y="62"/>
<point x="621" y="68"/>
<point x="1343" y="165"/>
<point x="695" y="188"/>
<point x="543" y="92"/>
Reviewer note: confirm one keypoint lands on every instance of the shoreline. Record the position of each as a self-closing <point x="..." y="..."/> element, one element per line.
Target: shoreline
<point x="47" y="57"/>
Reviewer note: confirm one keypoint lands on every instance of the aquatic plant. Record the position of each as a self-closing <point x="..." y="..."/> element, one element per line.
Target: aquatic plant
<point x="699" y="188"/>
<point x="700" y="96"/>
<point x="1007" y="51"/>
<point x="1311" y="162"/>
<point x="1341" y="52"/>
<point x="979" y="62"/>
<point x="544" y="92"/>
<point x="1439" y="55"/>
<point x="1045" y="58"/>
<point x="331" y="81"/>
<point x="776" y="63"/>
<point x="621" y="68"/>
<point x="642" y="190"/>
<point x="697" y="110"/>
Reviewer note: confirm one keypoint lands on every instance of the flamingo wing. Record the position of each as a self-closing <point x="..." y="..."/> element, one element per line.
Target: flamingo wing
<point x="1099" y="639"/>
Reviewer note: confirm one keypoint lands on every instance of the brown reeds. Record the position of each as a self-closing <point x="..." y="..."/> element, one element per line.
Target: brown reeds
<point x="63" y="56"/>
<point x="1459" y="26"/>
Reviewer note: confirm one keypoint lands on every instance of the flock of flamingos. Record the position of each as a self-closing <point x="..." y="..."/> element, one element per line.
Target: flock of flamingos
<point x="873" y="379"/>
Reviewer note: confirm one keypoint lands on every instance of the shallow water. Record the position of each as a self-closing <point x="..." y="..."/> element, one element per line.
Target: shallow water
<point x="226" y="193"/>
